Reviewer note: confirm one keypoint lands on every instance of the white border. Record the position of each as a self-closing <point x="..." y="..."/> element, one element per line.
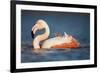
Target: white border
<point x="20" y="65"/>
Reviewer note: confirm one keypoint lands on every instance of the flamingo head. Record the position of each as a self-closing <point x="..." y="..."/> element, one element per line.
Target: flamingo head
<point x="40" y="24"/>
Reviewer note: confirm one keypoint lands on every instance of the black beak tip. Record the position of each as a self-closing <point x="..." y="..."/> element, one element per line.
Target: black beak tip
<point x="32" y="35"/>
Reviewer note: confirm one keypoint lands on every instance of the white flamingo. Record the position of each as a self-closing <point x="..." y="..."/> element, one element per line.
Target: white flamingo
<point x="66" y="41"/>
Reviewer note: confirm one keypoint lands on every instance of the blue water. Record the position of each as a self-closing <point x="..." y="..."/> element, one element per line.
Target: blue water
<point x="28" y="55"/>
<point x="76" y="24"/>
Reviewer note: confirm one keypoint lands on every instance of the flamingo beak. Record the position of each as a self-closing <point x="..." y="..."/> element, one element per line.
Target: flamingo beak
<point x="34" y="29"/>
<point x="32" y="35"/>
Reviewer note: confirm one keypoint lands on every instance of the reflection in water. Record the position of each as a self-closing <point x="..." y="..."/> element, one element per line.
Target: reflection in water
<point x="54" y="55"/>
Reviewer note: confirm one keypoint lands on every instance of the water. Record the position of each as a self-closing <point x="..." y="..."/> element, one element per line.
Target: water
<point x="28" y="55"/>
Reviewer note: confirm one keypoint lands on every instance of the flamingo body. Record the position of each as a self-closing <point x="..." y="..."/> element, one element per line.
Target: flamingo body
<point x="60" y="42"/>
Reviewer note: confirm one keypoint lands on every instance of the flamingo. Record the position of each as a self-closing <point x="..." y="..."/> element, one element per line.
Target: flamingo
<point x="59" y="41"/>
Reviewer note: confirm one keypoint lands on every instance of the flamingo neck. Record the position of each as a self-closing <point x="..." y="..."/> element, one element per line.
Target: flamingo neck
<point x="41" y="37"/>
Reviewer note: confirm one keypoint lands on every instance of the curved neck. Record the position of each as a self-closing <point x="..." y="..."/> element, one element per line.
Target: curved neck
<point x="41" y="37"/>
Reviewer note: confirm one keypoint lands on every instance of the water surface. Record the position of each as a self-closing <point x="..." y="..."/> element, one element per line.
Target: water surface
<point x="55" y="55"/>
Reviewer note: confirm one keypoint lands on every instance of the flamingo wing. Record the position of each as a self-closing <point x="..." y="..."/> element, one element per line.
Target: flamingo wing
<point x="72" y="44"/>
